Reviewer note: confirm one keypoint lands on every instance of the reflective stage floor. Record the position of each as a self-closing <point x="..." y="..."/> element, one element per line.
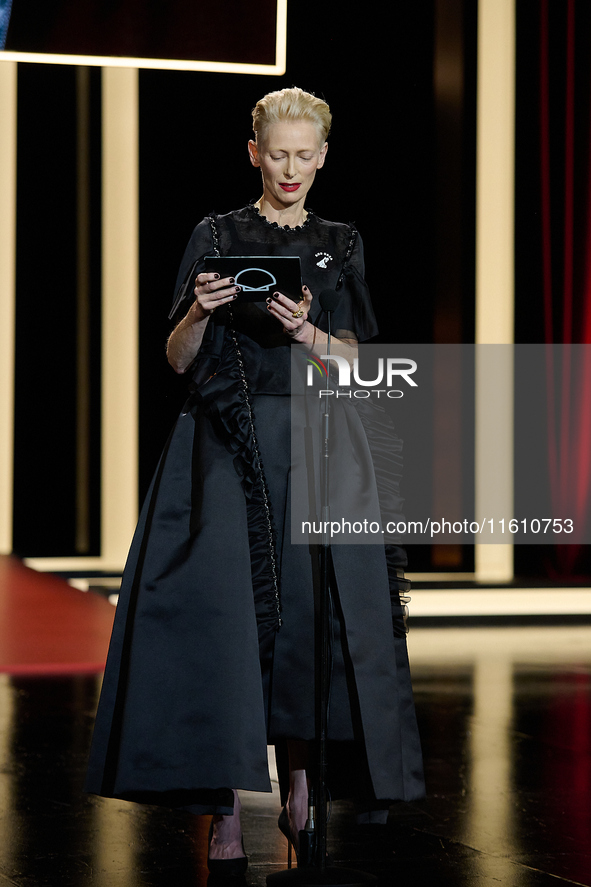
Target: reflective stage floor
<point x="505" y="719"/>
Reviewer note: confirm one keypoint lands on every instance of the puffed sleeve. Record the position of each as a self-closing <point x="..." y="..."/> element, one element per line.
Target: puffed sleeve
<point x="354" y="316"/>
<point x="199" y="246"/>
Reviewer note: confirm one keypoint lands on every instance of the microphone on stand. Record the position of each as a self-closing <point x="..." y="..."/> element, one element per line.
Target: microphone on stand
<point x="313" y="869"/>
<point x="329" y="300"/>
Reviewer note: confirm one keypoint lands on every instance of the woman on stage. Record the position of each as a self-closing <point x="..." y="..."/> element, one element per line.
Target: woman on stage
<point x="212" y="653"/>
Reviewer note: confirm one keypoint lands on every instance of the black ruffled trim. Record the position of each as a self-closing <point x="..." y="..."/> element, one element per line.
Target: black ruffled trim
<point x="257" y="214"/>
<point x="223" y="400"/>
<point x="347" y="270"/>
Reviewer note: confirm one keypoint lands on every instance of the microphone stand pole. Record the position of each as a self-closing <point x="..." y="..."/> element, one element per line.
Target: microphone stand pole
<point x="317" y="873"/>
<point x="324" y="642"/>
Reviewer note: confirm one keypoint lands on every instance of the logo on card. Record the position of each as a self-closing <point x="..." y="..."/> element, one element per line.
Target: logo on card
<point x="256" y="280"/>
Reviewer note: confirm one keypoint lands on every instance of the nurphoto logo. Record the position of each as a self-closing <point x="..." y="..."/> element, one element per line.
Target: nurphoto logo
<point x="388" y="371"/>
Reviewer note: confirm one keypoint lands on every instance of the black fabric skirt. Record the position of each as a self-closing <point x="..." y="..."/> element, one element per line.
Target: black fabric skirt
<point x="192" y="695"/>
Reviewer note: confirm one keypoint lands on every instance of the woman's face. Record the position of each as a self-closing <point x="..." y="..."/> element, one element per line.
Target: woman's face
<point x="288" y="155"/>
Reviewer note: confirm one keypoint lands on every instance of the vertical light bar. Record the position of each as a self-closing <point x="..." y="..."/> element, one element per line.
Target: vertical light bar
<point x="281" y="37"/>
<point x="495" y="160"/>
<point x="10" y="823"/>
<point x="8" y="102"/>
<point x="83" y="309"/>
<point x="489" y="807"/>
<point x="120" y="349"/>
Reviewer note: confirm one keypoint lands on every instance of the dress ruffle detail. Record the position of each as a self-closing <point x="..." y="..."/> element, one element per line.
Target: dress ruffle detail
<point x="223" y="399"/>
<point x="288" y="228"/>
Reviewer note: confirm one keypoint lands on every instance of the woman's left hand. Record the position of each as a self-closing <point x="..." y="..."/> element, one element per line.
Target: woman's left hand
<point x="293" y="315"/>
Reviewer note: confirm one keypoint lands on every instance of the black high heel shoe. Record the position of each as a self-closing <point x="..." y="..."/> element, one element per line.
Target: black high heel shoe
<point x="284" y="827"/>
<point x="305" y="852"/>
<point x="226" y="867"/>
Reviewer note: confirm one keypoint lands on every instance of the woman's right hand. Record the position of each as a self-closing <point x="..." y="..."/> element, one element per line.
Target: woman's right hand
<point x="185" y="340"/>
<point x="210" y="292"/>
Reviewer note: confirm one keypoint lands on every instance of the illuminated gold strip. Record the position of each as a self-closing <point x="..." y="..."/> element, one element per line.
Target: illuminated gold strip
<point x="441" y="577"/>
<point x="281" y="38"/>
<point x="105" y="61"/>
<point x="495" y="171"/>
<point x="9" y="794"/>
<point x="83" y="310"/>
<point x="495" y="267"/>
<point x="500" y="602"/>
<point x="489" y="806"/>
<point x="75" y="564"/>
<point x="117" y="835"/>
<point x="539" y="645"/>
<point x="170" y="64"/>
<point x="120" y="273"/>
<point x="8" y="104"/>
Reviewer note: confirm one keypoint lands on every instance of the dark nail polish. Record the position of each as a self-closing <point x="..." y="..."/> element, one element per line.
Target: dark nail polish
<point x="232" y="280"/>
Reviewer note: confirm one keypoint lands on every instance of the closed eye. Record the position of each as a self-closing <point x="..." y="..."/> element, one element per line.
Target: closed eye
<point x="305" y="157"/>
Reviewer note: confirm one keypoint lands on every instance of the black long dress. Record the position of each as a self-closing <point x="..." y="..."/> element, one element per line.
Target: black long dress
<point x="211" y="652"/>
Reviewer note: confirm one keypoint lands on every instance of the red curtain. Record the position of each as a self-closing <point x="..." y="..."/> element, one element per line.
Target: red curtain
<point x="565" y="211"/>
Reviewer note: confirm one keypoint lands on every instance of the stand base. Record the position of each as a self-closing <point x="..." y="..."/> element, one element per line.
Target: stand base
<point x="313" y="877"/>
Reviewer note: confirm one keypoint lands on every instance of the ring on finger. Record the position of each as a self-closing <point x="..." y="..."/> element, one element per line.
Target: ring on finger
<point x="298" y="314"/>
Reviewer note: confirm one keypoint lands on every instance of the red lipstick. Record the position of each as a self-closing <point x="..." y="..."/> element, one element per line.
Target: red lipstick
<point x="288" y="187"/>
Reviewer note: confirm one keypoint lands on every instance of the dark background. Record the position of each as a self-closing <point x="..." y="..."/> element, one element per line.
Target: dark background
<point x="376" y="72"/>
<point x="401" y="165"/>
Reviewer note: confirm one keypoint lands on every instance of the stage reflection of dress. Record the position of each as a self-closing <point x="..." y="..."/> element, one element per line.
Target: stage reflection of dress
<point x="200" y="677"/>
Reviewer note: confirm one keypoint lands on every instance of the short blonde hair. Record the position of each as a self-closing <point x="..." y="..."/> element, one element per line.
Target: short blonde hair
<point x="291" y="104"/>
